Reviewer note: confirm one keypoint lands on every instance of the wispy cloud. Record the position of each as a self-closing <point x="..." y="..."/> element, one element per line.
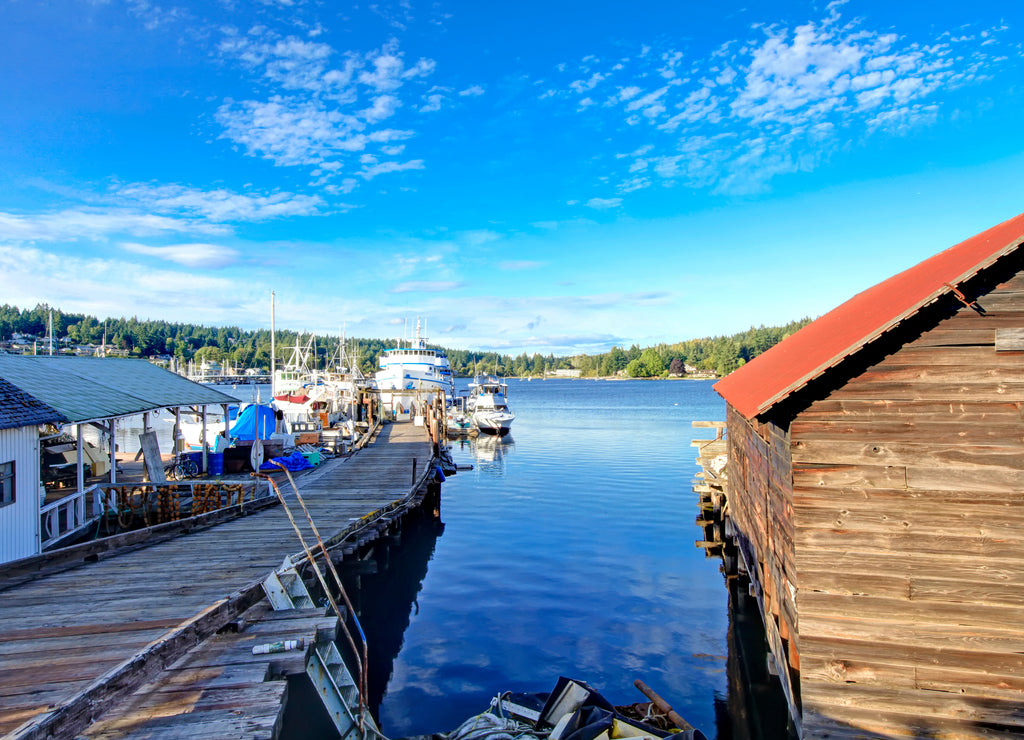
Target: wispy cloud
<point x="325" y="105"/>
<point x="206" y="256"/>
<point x="372" y="169"/>
<point x="782" y="101"/>
<point x="218" y="205"/>
<point x="426" y="286"/>
<point x="83" y="284"/>
<point x="95" y="224"/>
<point x="520" y="265"/>
<point x="603" y="204"/>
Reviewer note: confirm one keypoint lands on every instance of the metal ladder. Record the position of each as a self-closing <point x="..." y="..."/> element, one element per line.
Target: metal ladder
<point x="285" y="588"/>
<point x="339" y="693"/>
<point x="338" y="690"/>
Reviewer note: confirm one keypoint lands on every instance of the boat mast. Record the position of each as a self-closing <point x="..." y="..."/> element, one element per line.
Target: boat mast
<point x="273" y="364"/>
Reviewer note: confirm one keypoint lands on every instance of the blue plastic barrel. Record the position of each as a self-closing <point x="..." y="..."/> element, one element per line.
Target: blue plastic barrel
<point x="215" y="462"/>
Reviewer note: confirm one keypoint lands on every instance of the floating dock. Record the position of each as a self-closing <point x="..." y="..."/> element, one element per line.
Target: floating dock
<point x="153" y="640"/>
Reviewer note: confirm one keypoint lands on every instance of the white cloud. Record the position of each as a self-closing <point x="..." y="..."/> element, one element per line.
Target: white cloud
<point x="83" y="284"/>
<point x="291" y="132"/>
<point x="477" y="237"/>
<point x="426" y="286"/>
<point x="368" y="173"/>
<point x="472" y="91"/>
<point x="603" y="204"/>
<point x="205" y="256"/>
<point x="217" y="205"/>
<point x="384" y="106"/>
<point x="324" y="104"/>
<point x="783" y="100"/>
<point x="589" y="84"/>
<point x="95" y="224"/>
<point x="433" y="103"/>
<point x="520" y="265"/>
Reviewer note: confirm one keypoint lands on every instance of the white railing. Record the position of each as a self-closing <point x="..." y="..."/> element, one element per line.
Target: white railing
<point x="64" y="517"/>
<point x="69" y="516"/>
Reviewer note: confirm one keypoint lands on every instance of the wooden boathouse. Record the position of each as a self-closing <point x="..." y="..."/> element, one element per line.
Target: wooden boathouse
<point x="876" y="493"/>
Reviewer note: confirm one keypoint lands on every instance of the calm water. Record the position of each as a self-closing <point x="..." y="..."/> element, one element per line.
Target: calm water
<point x="567" y="550"/>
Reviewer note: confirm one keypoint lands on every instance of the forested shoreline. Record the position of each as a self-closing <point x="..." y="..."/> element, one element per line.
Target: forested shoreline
<point x="242" y="348"/>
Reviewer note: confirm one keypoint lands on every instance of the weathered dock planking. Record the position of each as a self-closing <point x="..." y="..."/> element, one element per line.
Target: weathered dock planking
<point x="74" y="643"/>
<point x="219" y="689"/>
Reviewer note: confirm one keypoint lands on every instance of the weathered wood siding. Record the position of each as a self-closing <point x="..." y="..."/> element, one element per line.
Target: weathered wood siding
<point x="761" y="510"/>
<point x="908" y="505"/>
<point x="19" y="522"/>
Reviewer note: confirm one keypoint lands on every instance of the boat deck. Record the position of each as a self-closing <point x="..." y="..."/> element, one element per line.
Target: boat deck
<point x="74" y="641"/>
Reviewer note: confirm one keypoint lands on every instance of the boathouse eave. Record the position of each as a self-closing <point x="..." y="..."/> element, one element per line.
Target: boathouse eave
<point x="86" y="389"/>
<point x="755" y="388"/>
<point x="20" y="409"/>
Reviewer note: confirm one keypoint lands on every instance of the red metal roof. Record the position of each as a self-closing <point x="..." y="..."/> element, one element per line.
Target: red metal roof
<point x="822" y="344"/>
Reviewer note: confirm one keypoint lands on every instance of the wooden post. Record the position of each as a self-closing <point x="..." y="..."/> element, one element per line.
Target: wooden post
<point x="111" y="428"/>
<point x="79" y="464"/>
<point x="413" y="471"/>
<point x="224" y="406"/>
<point x="176" y="447"/>
<point x="206" y="447"/>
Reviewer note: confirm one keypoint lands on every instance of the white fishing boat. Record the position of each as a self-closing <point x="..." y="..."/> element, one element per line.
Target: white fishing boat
<point x="488" y="406"/>
<point x="304" y="394"/>
<point x="407" y="371"/>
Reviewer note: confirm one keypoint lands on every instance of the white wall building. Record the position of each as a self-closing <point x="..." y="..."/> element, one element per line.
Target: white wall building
<point x="20" y="417"/>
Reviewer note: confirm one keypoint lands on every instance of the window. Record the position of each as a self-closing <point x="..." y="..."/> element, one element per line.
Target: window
<point x="6" y="483"/>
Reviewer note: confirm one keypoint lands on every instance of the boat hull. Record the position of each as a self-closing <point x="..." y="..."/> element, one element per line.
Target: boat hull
<point x="498" y="424"/>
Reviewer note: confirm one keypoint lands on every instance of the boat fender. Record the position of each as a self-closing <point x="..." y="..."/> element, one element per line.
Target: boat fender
<point x="440" y="475"/>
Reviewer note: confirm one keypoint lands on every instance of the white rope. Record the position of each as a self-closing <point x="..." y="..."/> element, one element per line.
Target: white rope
<point x="488" y="726"/>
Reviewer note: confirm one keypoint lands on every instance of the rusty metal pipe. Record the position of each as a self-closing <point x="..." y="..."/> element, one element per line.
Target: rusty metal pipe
<point x="688" y="731"/>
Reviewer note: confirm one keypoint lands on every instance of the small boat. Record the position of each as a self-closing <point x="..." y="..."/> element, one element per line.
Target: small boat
<point x="488" y="407"/>
<point x="574" y="711"/>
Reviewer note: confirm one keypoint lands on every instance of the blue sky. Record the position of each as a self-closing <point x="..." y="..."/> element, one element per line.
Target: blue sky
<point x="539" y="177"/>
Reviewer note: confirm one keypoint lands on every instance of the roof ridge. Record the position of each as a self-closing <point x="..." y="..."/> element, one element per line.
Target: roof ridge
<point x="826" y="342"/>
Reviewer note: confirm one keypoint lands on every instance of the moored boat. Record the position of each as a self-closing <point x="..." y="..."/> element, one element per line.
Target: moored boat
<point x="488" y="405"/>
<point x="407" y="371"/>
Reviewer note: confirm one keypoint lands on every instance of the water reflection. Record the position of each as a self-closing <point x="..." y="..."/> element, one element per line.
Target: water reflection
<point x="384" y="591"/>
<point x="753" y="708"/>
<point x="490" y="452"/>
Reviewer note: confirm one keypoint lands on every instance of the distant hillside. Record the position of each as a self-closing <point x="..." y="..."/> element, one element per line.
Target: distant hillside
<point x="245" y="348"/>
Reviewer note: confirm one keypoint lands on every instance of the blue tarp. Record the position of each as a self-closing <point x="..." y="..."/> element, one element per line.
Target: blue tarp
<point x="252" y="417"/>
<point x="294" y="461"/>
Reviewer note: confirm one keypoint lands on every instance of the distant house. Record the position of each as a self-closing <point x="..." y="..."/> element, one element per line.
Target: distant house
<point x="876" y="489"/>
<point x="567" y="373"/>
<point x="20" y="417"/>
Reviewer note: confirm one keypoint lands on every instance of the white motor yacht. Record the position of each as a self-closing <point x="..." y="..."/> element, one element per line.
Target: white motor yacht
<point x="488" y="406"/>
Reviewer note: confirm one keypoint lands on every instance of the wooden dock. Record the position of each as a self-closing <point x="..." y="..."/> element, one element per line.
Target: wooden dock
<point x="74" y="645"/>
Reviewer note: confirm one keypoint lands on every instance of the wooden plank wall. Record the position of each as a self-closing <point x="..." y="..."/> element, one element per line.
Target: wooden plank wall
<point x="761" y="510"/>
<point x="909" y="538"/>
